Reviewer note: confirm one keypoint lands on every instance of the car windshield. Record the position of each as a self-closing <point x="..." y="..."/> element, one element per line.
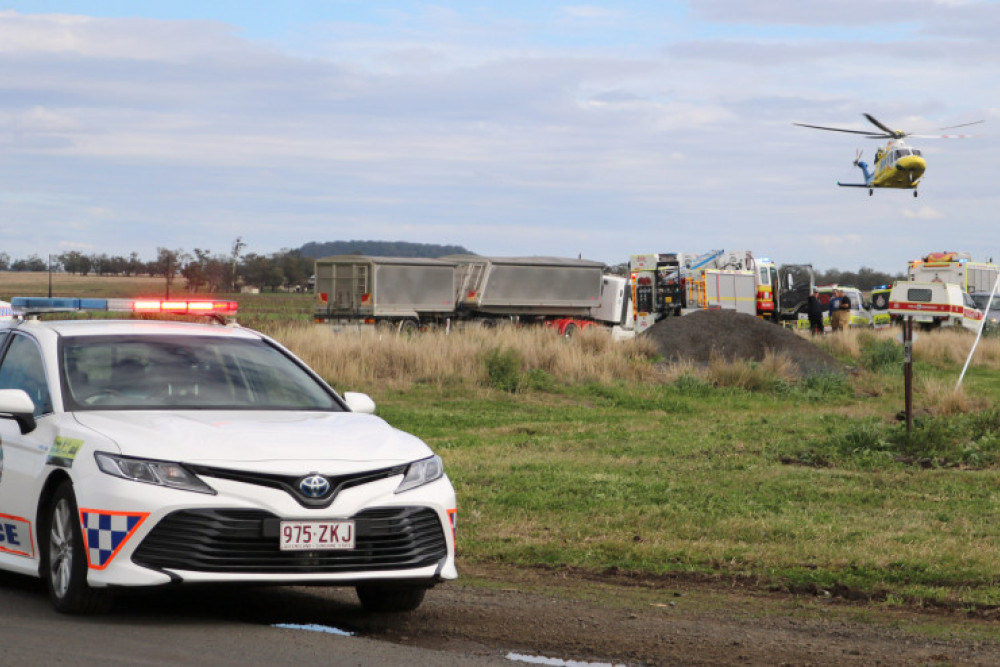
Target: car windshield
<point x="982" y="298"/>
<point x="185" y="372"/>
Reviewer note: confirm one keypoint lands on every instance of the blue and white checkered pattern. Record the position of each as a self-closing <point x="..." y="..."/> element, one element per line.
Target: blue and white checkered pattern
<point x="105" y="533"/>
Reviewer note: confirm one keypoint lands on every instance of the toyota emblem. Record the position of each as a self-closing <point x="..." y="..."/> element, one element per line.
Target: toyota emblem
<point x="314" y="486"/>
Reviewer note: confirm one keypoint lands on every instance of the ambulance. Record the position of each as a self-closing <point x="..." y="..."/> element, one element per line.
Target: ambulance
<point x="934" y="304"/>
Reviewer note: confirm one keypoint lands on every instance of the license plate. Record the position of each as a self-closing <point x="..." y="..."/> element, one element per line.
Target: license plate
<point x="316" y="535"/>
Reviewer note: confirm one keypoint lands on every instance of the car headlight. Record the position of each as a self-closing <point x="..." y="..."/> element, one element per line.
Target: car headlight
<point x="421" y="472"/>
<point x="151" y="471"/>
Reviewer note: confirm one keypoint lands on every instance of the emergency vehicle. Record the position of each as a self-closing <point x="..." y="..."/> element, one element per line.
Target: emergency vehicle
<point x="880" y="306"/>
<point x="665" y="284"/>
<point x="146" y="453"/>
<point x="934" y="304"/>
<point x="954" y="267"/>
<point x="861" y="316"/>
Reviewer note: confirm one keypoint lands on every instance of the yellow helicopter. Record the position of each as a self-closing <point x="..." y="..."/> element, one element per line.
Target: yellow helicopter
<point x="897" y="165"/>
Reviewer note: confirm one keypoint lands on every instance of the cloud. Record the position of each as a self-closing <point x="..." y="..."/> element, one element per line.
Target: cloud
<point x="922" y="213"/>
<point x="498" y="131"/>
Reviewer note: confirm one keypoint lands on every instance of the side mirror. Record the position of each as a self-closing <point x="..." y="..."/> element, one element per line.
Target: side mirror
<point x="17" y="405"/>
<point x="359" y="402"/>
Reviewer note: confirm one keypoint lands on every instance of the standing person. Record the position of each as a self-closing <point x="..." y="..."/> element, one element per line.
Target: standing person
<point x="841" y="315"/>
<point x="815" y="311"/>
<point x="833" y="304"/>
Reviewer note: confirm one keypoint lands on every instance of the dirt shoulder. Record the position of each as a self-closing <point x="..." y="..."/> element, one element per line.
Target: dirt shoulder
<point x="661" y="621"/>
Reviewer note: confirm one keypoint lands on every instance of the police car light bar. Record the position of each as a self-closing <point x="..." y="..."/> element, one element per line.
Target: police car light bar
<point x="185" y="307"/>
<point x="30" y="305"/>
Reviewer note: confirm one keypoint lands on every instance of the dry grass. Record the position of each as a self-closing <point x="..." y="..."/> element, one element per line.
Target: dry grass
<point x="842" y="343"/>
<point x="752" y="376"/>
<point x="951" y="346"/>
<point x="460" y="358"/>
<point x="29" y="283"/>
<point x="353" y="361"/>
<point x="942" y="398"/>
<point x="940" y="347"/>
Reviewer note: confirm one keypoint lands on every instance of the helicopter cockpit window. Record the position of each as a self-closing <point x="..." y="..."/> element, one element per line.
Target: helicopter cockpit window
<point x="916" y="151"/>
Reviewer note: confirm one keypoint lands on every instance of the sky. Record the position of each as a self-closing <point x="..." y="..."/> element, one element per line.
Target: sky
<point x="514" y="128"/>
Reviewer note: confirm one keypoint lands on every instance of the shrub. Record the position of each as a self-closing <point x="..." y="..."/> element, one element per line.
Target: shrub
<point x="824" y="384"/>
<point x="880" y="354"/>
<point x="503" y="369"/>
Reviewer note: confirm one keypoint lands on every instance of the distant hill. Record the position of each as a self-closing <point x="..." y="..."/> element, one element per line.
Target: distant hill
<point x="381" y="248"/>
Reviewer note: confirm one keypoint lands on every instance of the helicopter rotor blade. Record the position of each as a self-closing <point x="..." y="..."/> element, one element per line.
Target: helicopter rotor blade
<point x="896" y="134"/>
<point x="942" y="136"/>
<point x="952" y="127"/>
<point x="866" y="133"/>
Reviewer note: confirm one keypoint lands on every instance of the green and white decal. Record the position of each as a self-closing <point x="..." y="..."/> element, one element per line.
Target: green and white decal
<point x="64" y="451"/>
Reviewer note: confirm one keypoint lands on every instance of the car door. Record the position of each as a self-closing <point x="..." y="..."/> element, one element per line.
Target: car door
<point x="23" y="455"/>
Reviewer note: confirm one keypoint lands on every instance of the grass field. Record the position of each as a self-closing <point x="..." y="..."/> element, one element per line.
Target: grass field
<point x="586" y="453"/>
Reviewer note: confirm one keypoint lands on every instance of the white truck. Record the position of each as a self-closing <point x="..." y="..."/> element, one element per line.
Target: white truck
<point x="409" y="294"/>
<point x="401" y="292"/>
<point x="954" y="267"/>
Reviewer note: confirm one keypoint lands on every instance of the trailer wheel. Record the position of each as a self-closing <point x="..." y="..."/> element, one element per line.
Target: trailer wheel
<point x="569" y="330"/>
<point x="408" y="327"/>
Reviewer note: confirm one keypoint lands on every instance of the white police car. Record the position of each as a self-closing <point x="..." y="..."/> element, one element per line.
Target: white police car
<point x="143" y="453"/>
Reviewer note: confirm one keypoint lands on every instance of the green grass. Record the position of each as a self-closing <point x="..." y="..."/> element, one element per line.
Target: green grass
<point x="799" y="488"/>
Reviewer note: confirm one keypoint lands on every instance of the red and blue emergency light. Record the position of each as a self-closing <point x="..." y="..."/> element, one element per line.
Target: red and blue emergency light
<point x="30" y="305"/>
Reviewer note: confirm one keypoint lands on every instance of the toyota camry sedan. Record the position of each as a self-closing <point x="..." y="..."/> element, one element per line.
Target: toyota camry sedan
<point x="143" y="453"/>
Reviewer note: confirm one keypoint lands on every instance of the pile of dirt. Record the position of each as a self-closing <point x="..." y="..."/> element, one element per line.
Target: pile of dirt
<point x="734" y="336"/>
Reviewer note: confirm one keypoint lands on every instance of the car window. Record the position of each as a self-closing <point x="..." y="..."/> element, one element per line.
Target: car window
<point x="22" y="368"/>
<point x="185" y="372"/>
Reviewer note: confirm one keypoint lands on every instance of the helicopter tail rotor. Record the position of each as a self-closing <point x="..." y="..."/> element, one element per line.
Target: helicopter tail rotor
<point x="857" y="157"/>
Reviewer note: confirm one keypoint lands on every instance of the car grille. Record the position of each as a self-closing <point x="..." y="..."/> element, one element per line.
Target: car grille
<point x="290" y="483"/>
<point x="246" y="541"/>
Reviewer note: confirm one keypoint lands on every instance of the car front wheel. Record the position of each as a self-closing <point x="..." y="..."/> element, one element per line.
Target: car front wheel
<point x="64" y="564"/>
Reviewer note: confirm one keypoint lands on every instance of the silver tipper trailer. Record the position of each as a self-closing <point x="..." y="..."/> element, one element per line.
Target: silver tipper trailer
<point x="527" y="286"/>
<point x="363" y="287"/>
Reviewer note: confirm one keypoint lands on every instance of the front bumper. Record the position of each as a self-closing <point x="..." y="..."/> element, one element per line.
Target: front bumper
<point x="245" y="542"/>
<point x="232" y="537"/>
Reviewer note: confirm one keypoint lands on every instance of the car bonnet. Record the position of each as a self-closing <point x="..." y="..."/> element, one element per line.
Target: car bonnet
<point x="279" y="441"/>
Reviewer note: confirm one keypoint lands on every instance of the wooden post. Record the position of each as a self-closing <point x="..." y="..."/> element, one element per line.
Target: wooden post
<point x="908" y="371"/>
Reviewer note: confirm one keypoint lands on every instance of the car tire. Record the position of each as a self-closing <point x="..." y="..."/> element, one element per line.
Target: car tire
<point x="384" y="598"/>
<point x="64" y="561"/>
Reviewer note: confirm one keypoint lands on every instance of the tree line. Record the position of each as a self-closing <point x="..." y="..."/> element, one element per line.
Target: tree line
<point x="202" y="270"/>
<point x="291" y="269"/>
